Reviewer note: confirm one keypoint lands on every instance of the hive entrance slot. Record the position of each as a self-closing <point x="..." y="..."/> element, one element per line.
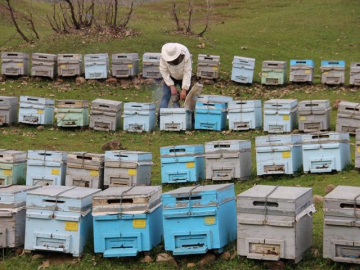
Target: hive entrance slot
<point x="104" y="106"/>
<point x="53" y="201"/>
<point x="352" y="109"/>
<point x="192" y="198"/>
<point x="45" y="154"/>
<point x="300" y="62"/>
<point x="311" y="105"/>
<point x="194" y="245"/>
<point x="32" y="99"/>
<point x="349" y="206"/>
<point x="222" y="146"/>
<point x="333" y="63"/>
<point x="83" y="157"/>
<point x="117" y="201"/>
<point x="241" y="103"/>
<point x="269" y="204"/>
<point x="320" y="137"/>
<point x="177" y="150"/>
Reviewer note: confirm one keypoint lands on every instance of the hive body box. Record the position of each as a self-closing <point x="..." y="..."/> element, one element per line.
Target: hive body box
<point x="70" y="65"/>
<point x="208" y="66"/>
<point x="182" y="163"/>
<point x="325" y="152"/>
<point x="200" y="218"/>
<point x="175" y="119"/>
<point x="139" y="117"/>
<point x="314" y="115"/>
<point x="72" y="113"/>
<point x="341" y="225"/>
<point x="228" y="160"/>
<point x="357" y="149"/>
<point x="105" y="114"/>
<point x="46" y="168"/>
<point x="273" y="72"/>
<point x="36" y="110"/>
<point x="127" y="220"/>
<point x="15" y="64"/>
<point x="332" y="72"/>
<point x="44" y="65"/>
<point x="12" y="215"/>
<point x="125" y="65"/>
<point x="85" y="170"/>
<point x="151" y="66"/>
<point x="278" y="154"/>
<point x="355" y="73"/>
<point x="8" y="110"/>
<point x="96" y="66"/>
<point x="302" y="71"/>
<point x="59" y="219"/>
<point x="274" y="222"/>
<point x="211" y="112"/>
<point x="280" y="115"/>
<point x="12" y="167"/>
<point x="245" y="114"/>
<point x="348" y="117"/>
<point x="127" y="168"/>
<point x="243" y="69"/>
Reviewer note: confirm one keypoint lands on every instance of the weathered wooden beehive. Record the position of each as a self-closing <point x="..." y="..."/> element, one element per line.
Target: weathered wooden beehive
<point x="85" y="170"/>
<point x="228" y="160"/>
<point x="314" y="115"/>
<point x="105" y="114"/>
<point x="8" y="110"/>
<point x="12" y="215"/>
<point x="12" y="167"/>
<point x="274" y="222"/>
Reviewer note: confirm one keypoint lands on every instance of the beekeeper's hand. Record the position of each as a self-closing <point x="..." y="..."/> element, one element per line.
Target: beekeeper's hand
<point x="183" y="94"/>
<point x="173" y="90"/>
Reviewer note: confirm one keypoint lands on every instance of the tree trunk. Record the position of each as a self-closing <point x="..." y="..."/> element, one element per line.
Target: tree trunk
<point x="73" y="16"/>
<point x="13" y="18"/>
<point x="115" y="12"/>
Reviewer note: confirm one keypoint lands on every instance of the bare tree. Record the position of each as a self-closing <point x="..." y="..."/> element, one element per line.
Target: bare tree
<point x="187" y="22"/>
<point x="14" y="20"/>
<point x="30" y="21"/>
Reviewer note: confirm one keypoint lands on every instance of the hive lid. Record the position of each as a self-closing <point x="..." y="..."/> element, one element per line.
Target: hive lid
<point x="6" y="100"/>
<point x="14" y="55"/>
<point x="36" y="100"/>
<point x="214" y="98"/>
<point x="64" y="192"/>
<point x="72" y="103"/>
<point x="12" y="156"/>
<point x="14" y="196"/>
<point x="127" y="200"/>
<point x="236" y="104"/>
<point x="281" y="193"/>
<point x="13" y="189"/>
<point x="344" y="193"/>
<point x="127" y="156"/>
<point x="85" y="159"/>
<point x="199" y="189"/>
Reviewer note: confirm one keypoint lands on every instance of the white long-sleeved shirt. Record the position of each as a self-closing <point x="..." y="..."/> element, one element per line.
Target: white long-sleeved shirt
<point x="180" y="72"/>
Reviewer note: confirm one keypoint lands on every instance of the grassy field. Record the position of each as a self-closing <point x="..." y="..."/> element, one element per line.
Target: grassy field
<point x="263" y="29"/>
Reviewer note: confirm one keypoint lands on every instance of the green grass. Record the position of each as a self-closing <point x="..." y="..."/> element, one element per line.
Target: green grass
<point x="270" y="29"/>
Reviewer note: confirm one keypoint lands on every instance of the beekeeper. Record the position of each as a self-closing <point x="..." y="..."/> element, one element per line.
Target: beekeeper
<point x="175" y="68"/>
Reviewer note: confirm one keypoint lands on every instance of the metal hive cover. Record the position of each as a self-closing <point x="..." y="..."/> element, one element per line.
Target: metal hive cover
<point x="281" y="193"/>
<point x="64" y="192"/>
<point x="198" y="189"/>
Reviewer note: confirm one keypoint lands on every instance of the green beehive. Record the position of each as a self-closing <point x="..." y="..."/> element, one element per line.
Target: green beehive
<point x="273" y="73"/>
<point x="12" y="167"/>
<point x="72" y="113"/>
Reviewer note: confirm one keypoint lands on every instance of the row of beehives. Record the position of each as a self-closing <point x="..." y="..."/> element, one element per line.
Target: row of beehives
<point x="127" y="65"/>
<point x="222" y="160"/>
<point x="269" y="222"/>
<point x="41" y="168"/>
<point x="211" y="113"/>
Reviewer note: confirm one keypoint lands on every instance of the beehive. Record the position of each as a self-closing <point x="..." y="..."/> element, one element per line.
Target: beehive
<point x="273" y="72"/>
<point x="125" y="65"/>
<point x="243" y="69"/>
<point x="36" y="110"/>
<point x="70" y="65"/>
<point x="127" y="168"/>
<point x="15" y="64"/>
<point x="182" y="163"/>
<point x="96" y="66"/>
<point x="280" y="115"/>
<point x="8" y="110"/>
<point x="127" y="220"/>
<point x="59" y="219"/>
<point x="139" y="117"/>
<point x="175" y="119"/>
<point x="44" y="65"/>
<point x="208" y="66"/>
<point x="72" y="113"/>
<point x="332" y="72"/>
<point x="228" y="160"/>
<point x="105" y="114"/>
<point x="274" y="222"/>
<point x="302" y="71"/>
<point x="245" y="114"/>
<point x="12" y="167"/>
<point x="348" y="117"/>
<point x="151" y="66"/>
<point x="314" y="115"/>
<point x="199" y="219"/>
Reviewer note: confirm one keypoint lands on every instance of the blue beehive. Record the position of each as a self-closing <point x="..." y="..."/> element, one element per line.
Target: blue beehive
<point x="278" y="154"/>
<point x="58" y="219"/>
<point x="139" y="117"/>
<point x="280" y="115"/>
<point x="332" y="72"/>
<point x="46" y="168"/>
<point x="200" y="218"/>
<point x="245" y="114"/>
<point x="243" y="69"/>
<point x="96" y="66"/>
<point x="302" y="71"/>
<point x="182" y="163"/>
<point x="211" y="112"/>
<point x="127" y="220"/>
<point x="36" y="110"/>
<point x="326" y="152"/>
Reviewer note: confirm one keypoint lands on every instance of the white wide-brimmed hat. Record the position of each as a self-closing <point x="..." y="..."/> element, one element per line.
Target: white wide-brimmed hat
<point x="170" y="51"/>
